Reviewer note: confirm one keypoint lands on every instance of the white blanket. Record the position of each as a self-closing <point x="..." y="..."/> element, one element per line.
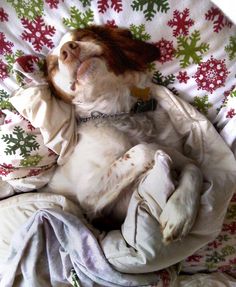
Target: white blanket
<point x="145" y="251"/>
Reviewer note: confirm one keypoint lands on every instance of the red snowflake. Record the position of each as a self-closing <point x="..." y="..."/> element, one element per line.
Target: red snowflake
<point x="53" y="3"/>
<point x="7" y="165"/>
<point x="38" y="33"/>
<point x="29" y="125"/>
<point x="218" y="18"/>
<point x="27" y="62"/>
<point x="5" y="169"/>
<point x="214" y="244"/>
<point x="225" y="268"/>
<point x="3" y="15"/>
<point x="194" y="258"/>
<point x="165" y="277"/>
<point x="231" y="113"/>
<point x="8" y="121"/>
<point x="231" y="228"/>
<point x="211" y="75"/>
<point x="232" y="261"/>
<point x="34" y="172"/>
<point x="166" y="49"/>
<point x="51" y="152"/>
<point x="181" y="23"/>
<point x="183" y="77"/>
<point x="103" y="5"/>
<point x="3" y="70"/>
<point x="111" y="23"/>
<point x="227" y="93"/>
<point x="5" y="46"/>
<point x="233" y="199"/>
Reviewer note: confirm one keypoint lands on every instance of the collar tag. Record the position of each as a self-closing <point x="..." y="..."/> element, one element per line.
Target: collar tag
<point x="141" y="94"/>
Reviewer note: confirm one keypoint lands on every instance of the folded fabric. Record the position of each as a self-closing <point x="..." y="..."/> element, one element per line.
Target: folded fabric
<point x="50" y="244"/>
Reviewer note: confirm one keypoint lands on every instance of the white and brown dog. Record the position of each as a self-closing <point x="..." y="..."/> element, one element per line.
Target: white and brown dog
<point x="96" y="69"/>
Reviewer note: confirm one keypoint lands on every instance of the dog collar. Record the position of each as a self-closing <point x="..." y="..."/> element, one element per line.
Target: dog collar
<point x="139" y="107"/>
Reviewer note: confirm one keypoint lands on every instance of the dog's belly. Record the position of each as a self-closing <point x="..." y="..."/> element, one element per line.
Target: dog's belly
<point x="80" y="178"/>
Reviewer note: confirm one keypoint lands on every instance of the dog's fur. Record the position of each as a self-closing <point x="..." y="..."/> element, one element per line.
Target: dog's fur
<point x="95" y="69"/>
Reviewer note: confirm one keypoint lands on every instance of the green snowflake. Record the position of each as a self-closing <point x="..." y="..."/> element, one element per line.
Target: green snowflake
<point x="138" y="32"/>
<point x="152" y="7"/>
<point x="233" y="94"/>
<point x="11" y="58"/>
<point x="29" y="9"/>
<point x="215" y="257"/>
<point x="4" y="95"/>
<point x="86" y="2"/>
<point x="224" y="237"/>
<point x="31" y="160"/>
<point x="19" y="78"/>
<point x="75" y="279"/>
<point x="231" y="212"/>
<point x="211" y="266"/>
<point x="228" y="250"/>
<point x="231" y="48"/>
<point x="159" y="79"/>
<point x="202" y="104"/>
<point x="4" y="101"/>
<point x="188" y="48"/>
<point x="20" y="140"/>
<point x="78" y="19"/>
<point x="151" y="67"/>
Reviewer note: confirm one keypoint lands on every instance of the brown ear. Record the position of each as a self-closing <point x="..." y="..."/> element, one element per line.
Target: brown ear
<point x="121" y="50"/>
<point x="140" y="53"/>
<point x="133" y="54"/>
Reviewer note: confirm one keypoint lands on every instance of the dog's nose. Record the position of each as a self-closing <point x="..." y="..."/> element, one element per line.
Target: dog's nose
<point x="69" y="51"/>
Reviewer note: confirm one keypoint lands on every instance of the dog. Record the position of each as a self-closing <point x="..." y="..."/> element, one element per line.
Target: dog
<point x="97" y="69"/>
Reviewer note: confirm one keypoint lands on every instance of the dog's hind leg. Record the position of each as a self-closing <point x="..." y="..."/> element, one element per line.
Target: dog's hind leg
<point x="125" y="171"/>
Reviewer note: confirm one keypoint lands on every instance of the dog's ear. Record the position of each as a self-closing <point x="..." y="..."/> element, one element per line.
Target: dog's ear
<point x="132" y="53"/>
<point x="139" y="53"/>
<point x="121" y="50"/>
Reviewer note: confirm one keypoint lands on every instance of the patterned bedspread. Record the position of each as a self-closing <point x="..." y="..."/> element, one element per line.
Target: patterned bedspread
<point x="198" y="53"/>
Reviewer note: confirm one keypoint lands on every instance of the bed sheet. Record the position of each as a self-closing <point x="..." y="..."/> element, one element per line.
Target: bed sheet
<point x="197" y="42"/>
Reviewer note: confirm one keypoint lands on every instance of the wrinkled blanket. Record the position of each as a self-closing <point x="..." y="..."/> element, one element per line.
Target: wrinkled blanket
<point x="137" y="247"/>
<point x="50" y="244"/>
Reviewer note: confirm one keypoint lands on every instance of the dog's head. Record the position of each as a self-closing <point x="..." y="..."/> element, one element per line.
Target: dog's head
<point x="90" y="55"/>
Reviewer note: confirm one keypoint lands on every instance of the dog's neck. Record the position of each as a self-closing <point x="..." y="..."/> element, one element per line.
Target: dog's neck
<point x="110" y="95"/>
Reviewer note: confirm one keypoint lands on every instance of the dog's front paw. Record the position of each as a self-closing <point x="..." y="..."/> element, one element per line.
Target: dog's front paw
<point x="177" y="218"/>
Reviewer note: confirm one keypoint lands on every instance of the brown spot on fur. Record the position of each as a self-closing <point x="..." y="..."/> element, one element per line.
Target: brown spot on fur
<point x="109" y="173"/>
<point x="126" y="156"/>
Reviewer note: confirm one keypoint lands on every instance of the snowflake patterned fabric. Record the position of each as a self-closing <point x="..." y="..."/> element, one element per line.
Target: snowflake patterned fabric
<point x="22" y="152"/>
<point x="220" y="254"/>
<point x="198" y="55"/>
<point x="189" y="34"/>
